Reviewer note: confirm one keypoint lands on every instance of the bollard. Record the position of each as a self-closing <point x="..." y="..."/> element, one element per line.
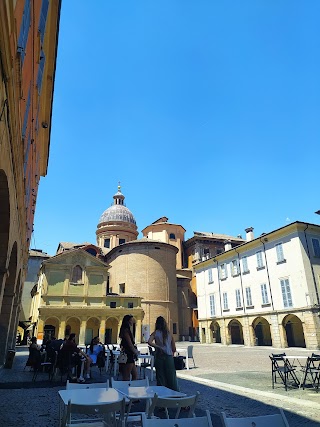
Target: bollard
<point x="9" y="359"/>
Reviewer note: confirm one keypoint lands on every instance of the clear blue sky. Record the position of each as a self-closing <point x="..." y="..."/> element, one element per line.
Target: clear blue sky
<point x="207" y="111"/>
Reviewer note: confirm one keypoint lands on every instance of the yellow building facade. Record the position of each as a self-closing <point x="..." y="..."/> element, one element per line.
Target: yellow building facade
<point x="72" y="289"/>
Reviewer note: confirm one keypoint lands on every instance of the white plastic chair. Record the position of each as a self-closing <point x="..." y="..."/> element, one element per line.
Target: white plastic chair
<point x="276" y="420"/>
<point x="189" y="356"/>
<point x="114" y="412"/>
<point x="122" y="385"/>
<point x="72" y="386"/>
<point x="174" y="403"/>
<point x="181" y="422"/>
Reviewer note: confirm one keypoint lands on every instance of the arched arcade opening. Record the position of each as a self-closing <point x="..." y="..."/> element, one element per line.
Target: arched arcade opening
<point x="293" y="331"/>
<point x="236" y="332"/>
<point x="262" y="331"/>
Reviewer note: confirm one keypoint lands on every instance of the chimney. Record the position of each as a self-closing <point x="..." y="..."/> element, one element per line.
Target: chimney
<point x="227" y="245"/>
<point x="249" y="234"/>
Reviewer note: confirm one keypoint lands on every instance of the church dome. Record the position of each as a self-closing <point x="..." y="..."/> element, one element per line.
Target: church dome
<point x="117" y="213"/>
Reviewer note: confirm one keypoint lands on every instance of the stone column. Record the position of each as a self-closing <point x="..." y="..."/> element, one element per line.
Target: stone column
<point x="138" y="331"/>
<point x="62" y="329"/>
<point x="102" y="330"/>
<point x="118" y="331"/>
<point x="82" y="335"/>
<point x="5" y="319"/>
<point x="283" y="336"/>
<point x="40" y="329"/>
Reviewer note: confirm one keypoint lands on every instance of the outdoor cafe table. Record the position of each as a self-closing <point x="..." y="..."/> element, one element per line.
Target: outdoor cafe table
<point x="89" y="396"/>
<point x="147" y="393"/>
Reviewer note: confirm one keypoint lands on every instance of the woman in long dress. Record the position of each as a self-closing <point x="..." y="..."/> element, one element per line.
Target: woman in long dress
<point x="162" y="340"/>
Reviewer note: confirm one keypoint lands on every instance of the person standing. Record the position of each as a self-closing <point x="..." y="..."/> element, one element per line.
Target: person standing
<point x="162" y="340"/>
<point x="127" y="346"/>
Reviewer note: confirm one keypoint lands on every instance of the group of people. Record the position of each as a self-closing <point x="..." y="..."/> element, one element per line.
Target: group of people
<point x="163" y="343"/>
<point x="67" y="354"/>
<point x="161" y="340"/>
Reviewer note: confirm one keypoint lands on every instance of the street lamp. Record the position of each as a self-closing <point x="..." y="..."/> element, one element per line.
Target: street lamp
<point x="317" y="212"/>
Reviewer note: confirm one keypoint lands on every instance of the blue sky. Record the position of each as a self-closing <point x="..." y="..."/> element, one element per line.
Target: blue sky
<point x="207" y="111"/>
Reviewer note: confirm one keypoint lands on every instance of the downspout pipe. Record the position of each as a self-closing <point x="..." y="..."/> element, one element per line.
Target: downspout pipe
<point x="241" y="284"/>
<point x="267" y="268"/>
<point x="311" y="266"/>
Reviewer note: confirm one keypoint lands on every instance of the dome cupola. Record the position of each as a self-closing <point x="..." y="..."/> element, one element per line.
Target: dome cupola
<point x="117" y="224"/>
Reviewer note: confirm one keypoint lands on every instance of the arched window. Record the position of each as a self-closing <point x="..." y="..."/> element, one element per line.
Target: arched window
<point x="172" y="236"/>
<point x="91" y="251"/>
<point x="77" y="274"/>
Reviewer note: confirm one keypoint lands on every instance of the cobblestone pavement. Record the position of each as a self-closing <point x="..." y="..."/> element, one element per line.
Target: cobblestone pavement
<point x="234" y="379"/>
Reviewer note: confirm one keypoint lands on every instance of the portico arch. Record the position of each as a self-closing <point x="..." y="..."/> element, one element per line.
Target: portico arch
<point x="262" y="331"/>
<point x="215" y="336"/>
<point x="4" y="227"/>
<point x="51" y="328"/>
<point x="73" y="326"/>
<point x="111" y="336"/>
<point x="92" y="329"/>
<point x="236" y="332"/>
<point x="293" y="331"/>
<point x="7" y="301"/>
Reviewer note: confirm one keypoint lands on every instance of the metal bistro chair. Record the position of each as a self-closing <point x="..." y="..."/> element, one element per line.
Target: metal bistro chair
<point x="276" y="420"/>
<point x="312" y="371"/>
<point x="174" y="403"/>
<point x="281" y="368"/>
<point x="49" y="364"/>
<point x="114" y="412"/>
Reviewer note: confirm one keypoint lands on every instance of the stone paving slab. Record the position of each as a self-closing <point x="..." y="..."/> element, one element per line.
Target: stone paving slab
<point x="227" y="378"/>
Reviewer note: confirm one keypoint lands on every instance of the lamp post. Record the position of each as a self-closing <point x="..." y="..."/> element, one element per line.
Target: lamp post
<point x="317" y="212"/>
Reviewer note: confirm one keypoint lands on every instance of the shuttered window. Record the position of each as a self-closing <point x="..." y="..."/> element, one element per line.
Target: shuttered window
<point x="286" y="293"/>
<point x="43" y="19"/>
<point x="238" y="298"/>
<point x="225" y="301"/>
<point x="316" y="247"/>
<point x="264" y="294"/>
<point x="245" y="264"/>
<point x="259" y="259"/>
<point x="279" y="249"/>
<point x="212" y="306"/>
<point x="248" y="297"/>
<point x="40" y="71"/>
<point x="26" y="115"/>
<point x="24" y="29"/>
<point x="27" y="155"/>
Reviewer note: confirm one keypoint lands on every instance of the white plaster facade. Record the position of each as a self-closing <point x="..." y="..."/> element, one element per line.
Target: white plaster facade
<point x="277" y="287"/>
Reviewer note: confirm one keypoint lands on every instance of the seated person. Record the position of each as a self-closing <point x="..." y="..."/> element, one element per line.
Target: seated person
<point x="94" y="350"/>
<point x="56" y="344"/>
<point x="70" y="351"/>
<point x="34" y="358"/>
